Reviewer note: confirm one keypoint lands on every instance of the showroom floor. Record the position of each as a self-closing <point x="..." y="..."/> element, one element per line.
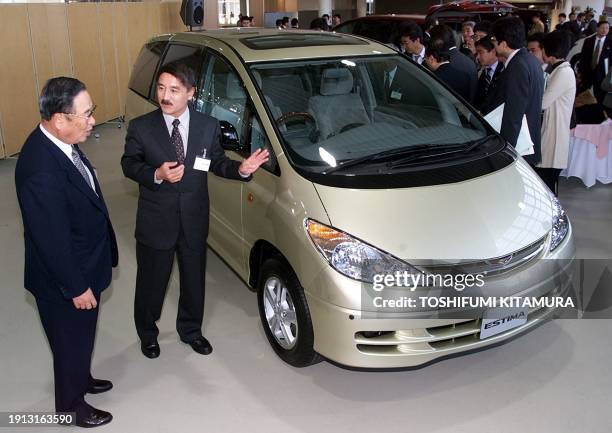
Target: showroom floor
<point x="554" y="379"/>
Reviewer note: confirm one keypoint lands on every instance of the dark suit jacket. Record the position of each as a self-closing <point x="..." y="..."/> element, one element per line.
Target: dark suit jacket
<point x="463" y="63"/>
<point x="69" y="240"/>
<point x="521" y="88"/>
<point x="594" y="77"/>
<point x="164" y="209"/>
<point x="455" y="78"/>
<point x="483" y="90"/>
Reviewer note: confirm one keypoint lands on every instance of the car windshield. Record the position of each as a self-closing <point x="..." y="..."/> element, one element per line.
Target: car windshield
<point x="333" y="111"/>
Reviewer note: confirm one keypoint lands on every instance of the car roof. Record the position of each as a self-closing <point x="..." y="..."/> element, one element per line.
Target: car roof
<point x="257" y="45"/>
<point x="419" y="19"/>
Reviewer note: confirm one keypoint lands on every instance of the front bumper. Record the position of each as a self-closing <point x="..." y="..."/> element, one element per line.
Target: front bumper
<point x="356" y="338"/>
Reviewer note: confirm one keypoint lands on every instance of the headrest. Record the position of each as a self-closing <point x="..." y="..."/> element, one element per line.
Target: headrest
<point x="336" y="81"/>
<point x="234" y="88"/>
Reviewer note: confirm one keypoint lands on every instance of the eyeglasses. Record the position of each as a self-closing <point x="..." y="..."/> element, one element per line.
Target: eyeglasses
<point x="87" y="114"/>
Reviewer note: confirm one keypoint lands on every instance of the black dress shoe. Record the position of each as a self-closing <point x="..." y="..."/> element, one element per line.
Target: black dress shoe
<point x="98" y="386"/>
<point x="94" y="418"/>
<point x="150" y="350"/>
<point x="201" y="346"/>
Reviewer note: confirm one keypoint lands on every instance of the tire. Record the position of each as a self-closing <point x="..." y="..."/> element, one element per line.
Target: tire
<point x="284" y="314"/>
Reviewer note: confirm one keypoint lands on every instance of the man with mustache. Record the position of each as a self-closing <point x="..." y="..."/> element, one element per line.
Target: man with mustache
<point x="70" y="245"/>
<point x="169" y="152"/>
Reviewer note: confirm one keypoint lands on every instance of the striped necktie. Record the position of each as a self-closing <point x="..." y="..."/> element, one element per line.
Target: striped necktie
<point x="78" y="163"/>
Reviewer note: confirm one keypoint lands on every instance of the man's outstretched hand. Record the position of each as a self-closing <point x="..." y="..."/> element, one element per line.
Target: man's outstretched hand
<point x="253" y="162"/>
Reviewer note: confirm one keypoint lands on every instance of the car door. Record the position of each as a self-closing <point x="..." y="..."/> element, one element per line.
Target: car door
<point x="222" y="95"/>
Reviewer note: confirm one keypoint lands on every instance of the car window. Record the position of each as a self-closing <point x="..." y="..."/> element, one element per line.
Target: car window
<point x="143" y="72"/>
<point x="348" y="27"/>
<point x="189" y="55"/>
<point x="222" y="94"/>
<point x="376" y="29"/>
<point x="362" y="106"/>
<point x="259" y="140"/>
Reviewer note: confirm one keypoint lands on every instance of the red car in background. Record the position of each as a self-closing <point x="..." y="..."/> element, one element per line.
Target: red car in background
<point x="381" y="28"/>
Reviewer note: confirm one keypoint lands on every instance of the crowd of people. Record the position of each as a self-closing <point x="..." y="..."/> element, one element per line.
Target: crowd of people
<point x="324" y="22"/>
<point x="529" y="71"/>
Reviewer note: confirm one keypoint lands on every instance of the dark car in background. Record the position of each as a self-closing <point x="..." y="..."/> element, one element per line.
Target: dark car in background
<point x="381" y="28"/>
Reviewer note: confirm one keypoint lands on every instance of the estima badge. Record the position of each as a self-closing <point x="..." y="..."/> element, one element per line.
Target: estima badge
<point x="497" y="321"/>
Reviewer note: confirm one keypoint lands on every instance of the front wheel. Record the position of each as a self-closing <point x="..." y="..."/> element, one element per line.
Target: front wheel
<point x="284" y="314"/>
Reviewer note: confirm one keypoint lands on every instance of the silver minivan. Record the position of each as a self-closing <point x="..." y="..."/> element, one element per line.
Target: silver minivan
<point x="377" y="169"/>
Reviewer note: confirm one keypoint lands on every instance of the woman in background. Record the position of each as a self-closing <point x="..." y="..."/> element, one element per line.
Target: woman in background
<point x="557" y="104"/>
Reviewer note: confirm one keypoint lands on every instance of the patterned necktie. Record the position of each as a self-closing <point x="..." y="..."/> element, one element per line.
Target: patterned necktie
<point x="78" y="163"/>
<point x="488" y="77"/>
<point x="595" y="59"/>
<point x="177" y="141"/>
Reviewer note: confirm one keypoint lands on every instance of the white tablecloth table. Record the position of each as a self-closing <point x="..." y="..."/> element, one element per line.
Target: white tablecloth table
<point x="588" y="162"/>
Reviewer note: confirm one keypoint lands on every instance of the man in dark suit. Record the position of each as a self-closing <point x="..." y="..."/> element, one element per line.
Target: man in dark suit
<point x="70" y="245"/>
<point x="443" y="38"/>
<point x="490" y="69"/>
<point x="169" y="153"/>
<point x="439" y="62"/>
<point x="520" y="86"/>
<point x="595" y="55"/>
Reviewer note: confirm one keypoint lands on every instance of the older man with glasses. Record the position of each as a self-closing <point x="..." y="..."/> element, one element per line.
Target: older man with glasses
<point x="70" y="245"/>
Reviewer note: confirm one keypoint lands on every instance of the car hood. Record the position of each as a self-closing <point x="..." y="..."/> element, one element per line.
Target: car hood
<point x="481" y="218"/>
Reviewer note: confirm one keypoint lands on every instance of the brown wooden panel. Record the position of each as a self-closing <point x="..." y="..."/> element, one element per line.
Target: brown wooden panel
<point x="109" y="61"/>
<point x="124" y="66"/>
<point x="173" y="11"/>
<point x="153" y="18"/>
<point x="50" y="42"/>
<point x="86" y="49"/>
<point x="137" y="29"/>
<point x="18" y="103"/>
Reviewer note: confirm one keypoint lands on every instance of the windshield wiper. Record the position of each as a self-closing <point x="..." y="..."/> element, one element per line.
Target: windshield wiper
<point x="455" y="149"/>
<point x="413" y="152"/>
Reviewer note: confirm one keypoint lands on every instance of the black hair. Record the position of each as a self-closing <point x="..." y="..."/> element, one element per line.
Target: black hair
<point x="429" y="23"/>
<point x="557" y="44"/>
<point x="536" y="37"/>
<point x="602" y="22"/>
<point x="485" y="43"/>
<point x="181" y="72"/>
<point x="58" y="95"/>
<point x="294" y="22"/>
<point x="325" y="16"/>
<point x="510" y="30"/>
<point x="318" y="24"/>
<point x="580" y="14"/>
<point x="337" y="15"/>
<point x="279" y="22"/>
<point x="285" y="20"/>
<point x="411" y="30"/>
<point x="483" y="26"/>
<point x="443" y="36"/>
<point x="438" y="50"/>
<point x="562" y="14"/>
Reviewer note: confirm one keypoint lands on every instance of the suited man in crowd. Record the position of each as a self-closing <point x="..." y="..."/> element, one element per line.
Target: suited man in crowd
<point x="444" y="39"/>
<point x="169" y="153"/>
<point x="596" y="54"/>
<point x="520" y="86"/>
<point x="411" y="41"/>
<point x="439" y="61"/>
<point x="70" y="245"/>
<point x="490" y="69"/>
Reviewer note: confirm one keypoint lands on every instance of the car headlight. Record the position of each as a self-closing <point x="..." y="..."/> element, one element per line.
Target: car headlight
<point x="352" y="257"/>
<point x="560" y="226"/>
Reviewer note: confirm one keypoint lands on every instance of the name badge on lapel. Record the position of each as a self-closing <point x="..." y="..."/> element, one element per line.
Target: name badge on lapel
<point x="201" y="163"/>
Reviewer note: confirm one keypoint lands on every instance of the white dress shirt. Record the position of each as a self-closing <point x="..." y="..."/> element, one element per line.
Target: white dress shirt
<point x="419" y="57"/>
<point x="67" y="150"/>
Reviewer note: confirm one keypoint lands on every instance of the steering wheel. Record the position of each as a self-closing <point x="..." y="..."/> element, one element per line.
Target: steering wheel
<point x="313" y="133"/>
<point x="351" y="126"/>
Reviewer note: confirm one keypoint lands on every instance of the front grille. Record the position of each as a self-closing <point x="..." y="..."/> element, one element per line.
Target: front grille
<point x="439" y="338"/>
<point x="493" y="266"/>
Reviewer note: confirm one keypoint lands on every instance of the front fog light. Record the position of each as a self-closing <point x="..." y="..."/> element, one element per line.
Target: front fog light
<point x="352" y="257"/>
<point x="560" y="225"/>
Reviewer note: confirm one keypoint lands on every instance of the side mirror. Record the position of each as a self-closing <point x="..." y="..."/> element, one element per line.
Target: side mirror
<point x="229" y="137"/>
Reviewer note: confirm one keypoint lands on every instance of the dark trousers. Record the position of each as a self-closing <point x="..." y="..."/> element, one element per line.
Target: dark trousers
<point x="550" y="176"/>
<point x="154" y="268"/>
<point x="71" y="334"/>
